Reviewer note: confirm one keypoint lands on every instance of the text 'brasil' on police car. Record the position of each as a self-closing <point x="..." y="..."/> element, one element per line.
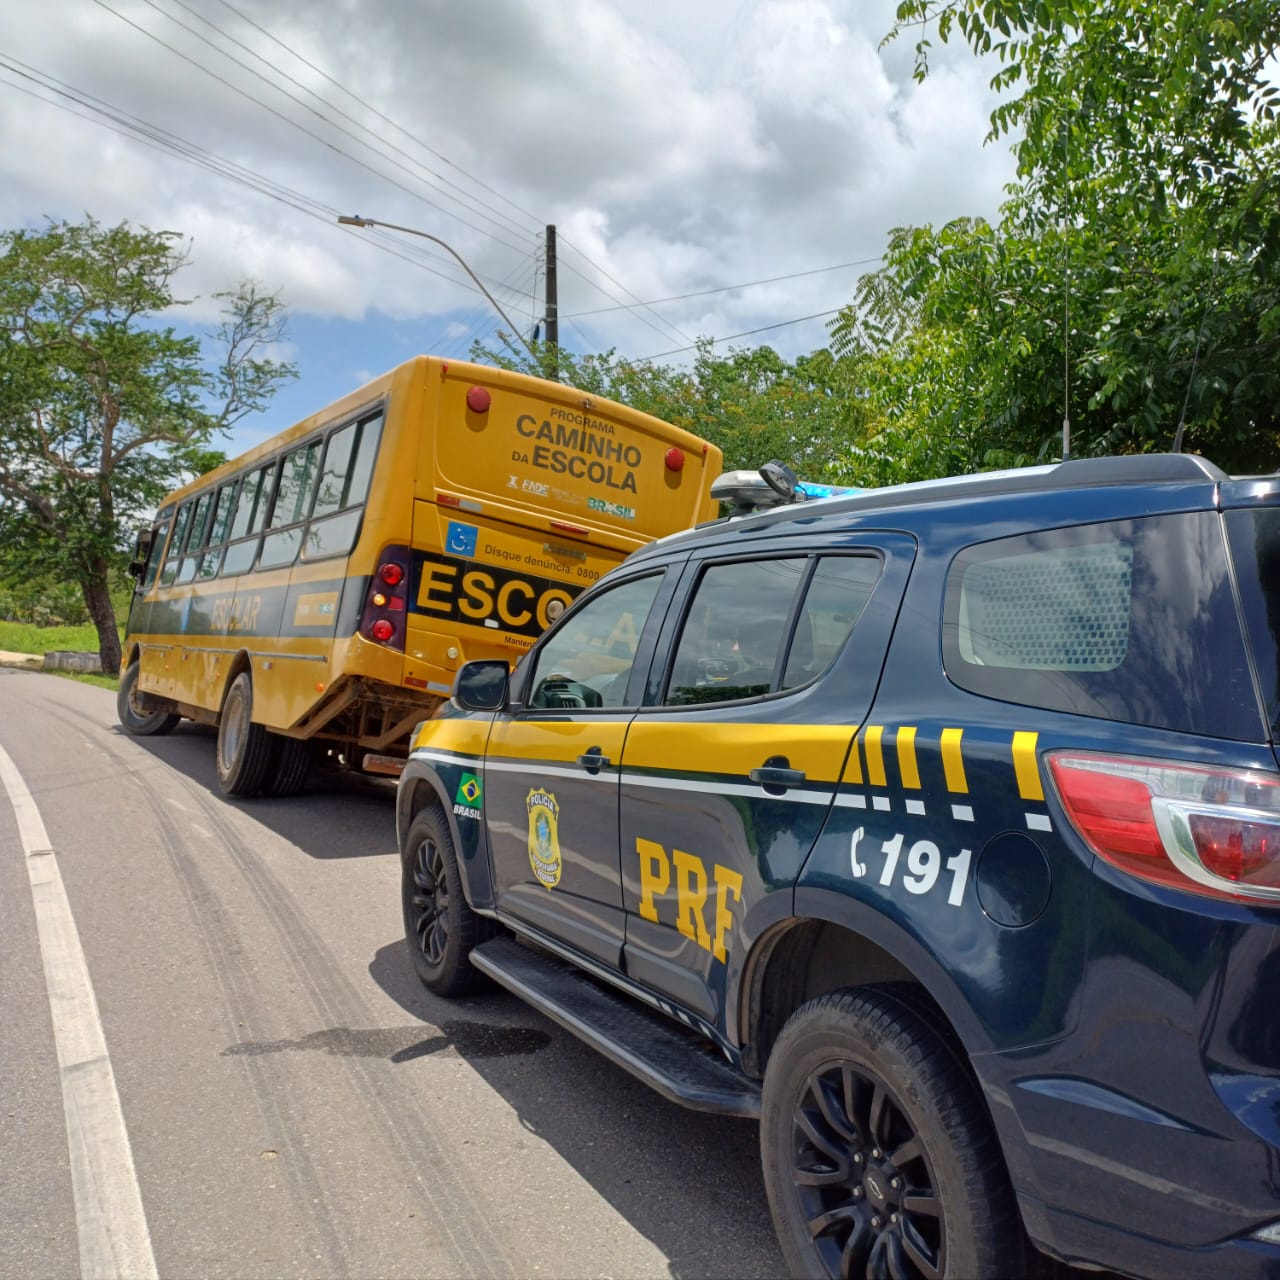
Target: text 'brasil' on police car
<point x="951" y="816"/>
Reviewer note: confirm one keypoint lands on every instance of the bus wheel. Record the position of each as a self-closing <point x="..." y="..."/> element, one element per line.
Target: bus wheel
<point x="440" y="927"/>
<point x="879" y="1157"/>
<point x="246" y="752"/>
<point x="136" y="718"/>
<point x="293" y="765"/>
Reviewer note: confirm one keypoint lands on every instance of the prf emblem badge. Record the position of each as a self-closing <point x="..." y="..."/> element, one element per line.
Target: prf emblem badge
<point x="544" y="837"/>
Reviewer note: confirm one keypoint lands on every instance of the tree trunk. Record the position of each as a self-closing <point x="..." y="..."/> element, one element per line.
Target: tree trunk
<point x="97" y="599"/>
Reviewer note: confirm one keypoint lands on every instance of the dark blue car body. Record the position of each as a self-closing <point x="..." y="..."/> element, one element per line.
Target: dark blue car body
<point x="885" y="813"/>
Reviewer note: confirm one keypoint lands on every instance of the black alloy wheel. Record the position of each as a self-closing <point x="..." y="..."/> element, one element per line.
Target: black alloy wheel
<point x="430" y="902"/>
<point x="440" y="927"/>
<point x="865" y="1184"/>
<point x="880" y="1160"/>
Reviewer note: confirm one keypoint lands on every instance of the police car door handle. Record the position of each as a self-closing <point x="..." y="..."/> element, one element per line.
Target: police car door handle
<point x="776" y="774"/>
<point x="593" y="760"/>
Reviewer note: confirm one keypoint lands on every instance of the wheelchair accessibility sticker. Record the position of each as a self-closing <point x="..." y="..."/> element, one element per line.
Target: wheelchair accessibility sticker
<point x="460" y="539"/>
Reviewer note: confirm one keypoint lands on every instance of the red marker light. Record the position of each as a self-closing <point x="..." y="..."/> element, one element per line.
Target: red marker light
<point x="674" y="458"/>
<point x="478" y="400"/>
<point x="391" y="573"/>
<point x="382" y="631"/>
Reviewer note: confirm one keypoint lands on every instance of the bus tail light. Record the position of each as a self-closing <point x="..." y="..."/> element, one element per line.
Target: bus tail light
<point x="385" y="608"/>
<point x="1210" y="831"/>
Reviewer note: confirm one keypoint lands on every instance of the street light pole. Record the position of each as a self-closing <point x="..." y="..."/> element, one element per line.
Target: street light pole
<point x="358" y="221"/>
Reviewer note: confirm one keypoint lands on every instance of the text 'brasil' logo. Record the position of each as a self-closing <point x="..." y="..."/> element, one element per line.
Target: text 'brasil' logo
<point x="469" y="797"/>
<point x="544" y="837"/>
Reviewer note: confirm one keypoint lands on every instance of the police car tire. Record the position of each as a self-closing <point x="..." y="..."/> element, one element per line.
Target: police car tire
<point x="427" y="864"/>
<point x="870" y="1036"/>
<point x="142" y="724"/>
<point x="245" y="760"/>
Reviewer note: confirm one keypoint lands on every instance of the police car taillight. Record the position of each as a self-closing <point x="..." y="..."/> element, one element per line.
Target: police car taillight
<point x="1209" y="831"/>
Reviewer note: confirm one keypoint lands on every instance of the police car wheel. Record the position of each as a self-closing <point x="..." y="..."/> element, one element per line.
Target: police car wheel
<point x="879" y="1158"/>
<point x="441" y="929"/>
<point x="136" y="718"/>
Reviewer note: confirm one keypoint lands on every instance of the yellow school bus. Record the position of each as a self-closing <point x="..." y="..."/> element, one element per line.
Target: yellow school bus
<point x="317" y="594"/>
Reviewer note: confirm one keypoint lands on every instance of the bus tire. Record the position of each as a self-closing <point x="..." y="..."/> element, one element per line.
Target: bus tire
<point x="246" y="752"/>
<point x="440" y="928"/>
<point x="879" y="1157"/>
<point x="292" y="767"/>
<point x="135" y="718"/>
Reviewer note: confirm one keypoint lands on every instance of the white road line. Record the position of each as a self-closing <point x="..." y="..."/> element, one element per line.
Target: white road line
<point x="110" y="1222"/>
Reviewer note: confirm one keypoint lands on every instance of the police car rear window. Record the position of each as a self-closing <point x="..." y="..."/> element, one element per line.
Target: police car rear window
<point x="1130" y="620"/>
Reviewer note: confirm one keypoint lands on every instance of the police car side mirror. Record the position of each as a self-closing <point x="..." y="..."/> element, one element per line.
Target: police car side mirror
<point x="482" y="685"/>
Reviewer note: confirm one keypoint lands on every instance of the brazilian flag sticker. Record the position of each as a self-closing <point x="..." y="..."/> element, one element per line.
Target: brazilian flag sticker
<point x="470" y="792"/>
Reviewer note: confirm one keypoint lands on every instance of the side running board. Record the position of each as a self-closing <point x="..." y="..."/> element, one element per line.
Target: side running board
<point x="679" y="1064"/>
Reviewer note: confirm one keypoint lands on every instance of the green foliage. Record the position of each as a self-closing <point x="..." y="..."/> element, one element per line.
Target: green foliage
<point x="26" y="637"/>
<point x="103" y="409"/>
<point x="1134" y="274"/>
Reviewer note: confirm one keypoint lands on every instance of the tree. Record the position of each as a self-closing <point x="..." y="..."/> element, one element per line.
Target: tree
<point x="1134" y="275"/>
<point x="103" y="409"/>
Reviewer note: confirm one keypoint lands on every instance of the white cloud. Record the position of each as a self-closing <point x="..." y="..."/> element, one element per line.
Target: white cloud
<point x="678" y="147"/>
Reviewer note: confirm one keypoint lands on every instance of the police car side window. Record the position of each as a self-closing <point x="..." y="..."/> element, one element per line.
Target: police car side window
<point x="731" y="644"/>
<point x="835" y="596"/>
<point x="587" y="661"/>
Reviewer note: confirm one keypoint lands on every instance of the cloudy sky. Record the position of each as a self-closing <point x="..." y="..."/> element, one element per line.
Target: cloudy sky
<point x="680" y="147"/>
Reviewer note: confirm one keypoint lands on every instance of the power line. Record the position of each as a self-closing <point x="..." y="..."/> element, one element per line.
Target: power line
<point x="324" y="142"/>
<point x="337" y="84"/>
<point x="381" y="115"/>
<point x="671" y="328"/>
<point x="510" y="223"/>
<point x="746" y="333"/>
<point x="138" y="130"/>
<point x="725" y="288"/>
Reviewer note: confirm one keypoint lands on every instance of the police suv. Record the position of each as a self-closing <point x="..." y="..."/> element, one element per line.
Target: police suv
<point x="936" y="826"/>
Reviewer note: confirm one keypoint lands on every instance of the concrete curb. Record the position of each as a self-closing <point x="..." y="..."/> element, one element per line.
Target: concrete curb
<point x="33" y="661"/>
<point x="58" y="660"/>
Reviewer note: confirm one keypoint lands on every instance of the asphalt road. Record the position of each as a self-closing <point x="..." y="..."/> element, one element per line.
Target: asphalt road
<point x="295" y="1104"/>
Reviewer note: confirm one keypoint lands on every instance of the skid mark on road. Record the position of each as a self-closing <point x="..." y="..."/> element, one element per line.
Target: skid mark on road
<point x="404" y="1044"/>
<point x="453" y="1210"/>
<point x="111" y="1225"/>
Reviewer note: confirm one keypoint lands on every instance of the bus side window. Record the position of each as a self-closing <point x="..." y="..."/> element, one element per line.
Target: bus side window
<point x="246" y="524"/>
<point x="344" y="485"/>
<point x="180" y="523"/>
<point x="218" y="526"/>
<point x="195" y="538"/>
<point x="158" y="535"/>
<point x="298" y="475"/>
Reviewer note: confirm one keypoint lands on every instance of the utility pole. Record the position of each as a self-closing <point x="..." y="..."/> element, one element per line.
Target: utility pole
<point x="552" y="315"/>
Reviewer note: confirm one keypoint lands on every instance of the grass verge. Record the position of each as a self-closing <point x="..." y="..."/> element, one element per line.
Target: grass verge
<point x="26" y="637"/>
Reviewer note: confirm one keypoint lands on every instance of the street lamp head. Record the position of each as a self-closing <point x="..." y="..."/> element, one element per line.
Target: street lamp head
<point x="356" y="221"/>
